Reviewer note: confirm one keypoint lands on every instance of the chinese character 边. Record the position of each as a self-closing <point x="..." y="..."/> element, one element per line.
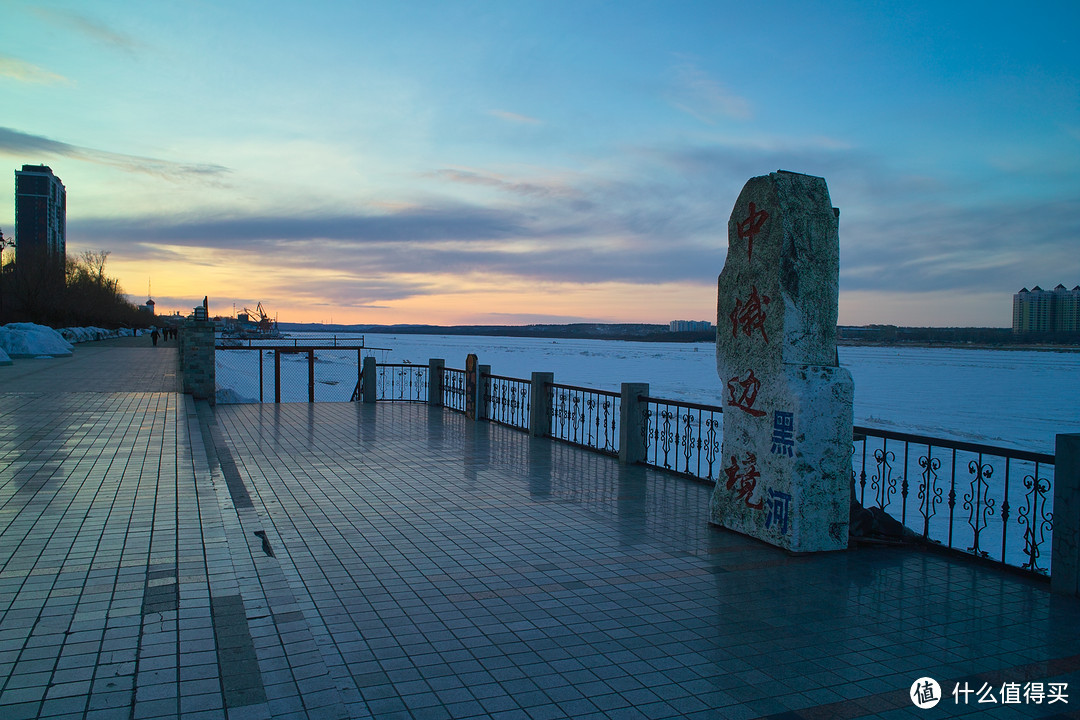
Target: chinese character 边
<point x="750" y="227"/>
<point x="783" y="433"/>
<point x="749" y="315"/>
<point x="779" y="503"/>
<point x="744" y="483"/>
<point x="744" y="400"/>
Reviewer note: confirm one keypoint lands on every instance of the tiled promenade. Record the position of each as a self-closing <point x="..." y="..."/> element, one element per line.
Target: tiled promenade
<point x="162" y="559"/>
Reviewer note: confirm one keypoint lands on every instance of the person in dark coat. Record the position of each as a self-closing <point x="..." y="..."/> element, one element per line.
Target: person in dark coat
<point x="154" y="334"/>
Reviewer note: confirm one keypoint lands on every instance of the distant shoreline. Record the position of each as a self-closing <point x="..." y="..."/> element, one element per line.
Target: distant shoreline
<point x="870" y="336"/>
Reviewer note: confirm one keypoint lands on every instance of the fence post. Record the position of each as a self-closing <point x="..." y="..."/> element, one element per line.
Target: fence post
<point x="311" y="376"/>
<point x="1065" y="573"/>
<point x="631" y="443"/>
<point x="369" y="379"/>
<point x="540" y="404"/>
<point x="435" y="381"/>
<point x="199" y="361"/>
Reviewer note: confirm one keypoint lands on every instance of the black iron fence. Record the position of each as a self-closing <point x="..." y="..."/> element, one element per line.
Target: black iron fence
<point x="682" y="436"/>
<point x="507" y="400"/>
<point x="586" y="417"/>
<point x="991" y="502"/>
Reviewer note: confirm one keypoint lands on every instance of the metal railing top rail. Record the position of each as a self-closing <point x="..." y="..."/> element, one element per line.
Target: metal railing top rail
<point x="330" y="341"/>
<point x="292" y="348"/>
<point x="507" y="378"/>
<point x="680" y="403"/>
<point x="578" y="388"/>
<point x="1041" y="458"/>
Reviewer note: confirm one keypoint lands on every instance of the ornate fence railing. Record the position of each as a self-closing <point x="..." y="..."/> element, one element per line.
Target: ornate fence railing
<point x="453" y="389"/>
<point x="683" y="437"/>
<point x="401" y="382"/>
<point x="992" y="502"/>
<point x="586" y="417"/>
<point x="507" y="400"/>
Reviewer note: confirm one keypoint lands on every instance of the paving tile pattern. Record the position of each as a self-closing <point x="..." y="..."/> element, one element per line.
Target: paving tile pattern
<point x="162" y="559"/>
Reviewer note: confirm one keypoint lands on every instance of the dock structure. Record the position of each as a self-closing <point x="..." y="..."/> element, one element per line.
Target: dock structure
<point x="160" y="558"/>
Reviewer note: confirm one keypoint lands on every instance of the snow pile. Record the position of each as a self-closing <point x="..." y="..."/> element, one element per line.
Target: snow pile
<point x="30" y="340"/>
<point x="228" y="396"/>
<point x="89" y="334"/>
<point x="4" y="359"/>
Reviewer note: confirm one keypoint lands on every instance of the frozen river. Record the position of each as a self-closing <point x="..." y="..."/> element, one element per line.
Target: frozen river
<point x="1012" y="398"/>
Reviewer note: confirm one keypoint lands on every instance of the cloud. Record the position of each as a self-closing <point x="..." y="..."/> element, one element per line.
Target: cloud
<point x="28" y="73"/>
<point x="16" y="143"/>
<point x="88" y="27"/>
<point x="516" y="187"/>
<point x="514" y="117"/>
<point x="696" y="92"/>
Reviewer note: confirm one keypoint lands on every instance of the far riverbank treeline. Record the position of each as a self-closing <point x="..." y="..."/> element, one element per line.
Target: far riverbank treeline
<point x="644" y="332"/>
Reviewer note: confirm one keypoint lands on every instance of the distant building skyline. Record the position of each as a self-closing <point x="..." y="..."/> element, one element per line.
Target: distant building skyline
<point x="1046" y="311"/>
<point x="40" y="217"/>
<point x="689" y="326"/>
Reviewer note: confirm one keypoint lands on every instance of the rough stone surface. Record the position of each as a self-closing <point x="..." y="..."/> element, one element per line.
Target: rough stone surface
<point x="787" y="405"/>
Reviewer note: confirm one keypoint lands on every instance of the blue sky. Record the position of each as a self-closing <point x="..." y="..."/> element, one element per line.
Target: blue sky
<point x="558" y="161"/>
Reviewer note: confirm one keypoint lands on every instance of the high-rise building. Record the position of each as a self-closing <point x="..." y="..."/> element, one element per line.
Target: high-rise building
<point x="40" y="218"/>
<point x="1047" y="311"/>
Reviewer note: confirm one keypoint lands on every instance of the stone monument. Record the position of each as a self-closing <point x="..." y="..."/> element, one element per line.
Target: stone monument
<point x="786" y="470"/>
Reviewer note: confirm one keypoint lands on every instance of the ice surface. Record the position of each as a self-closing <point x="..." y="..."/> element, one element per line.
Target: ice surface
<point x="1010" y="398"/>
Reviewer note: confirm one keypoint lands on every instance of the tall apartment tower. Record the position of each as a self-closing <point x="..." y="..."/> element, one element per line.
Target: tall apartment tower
<point x="40" y="218"/>
<point x="1047" y="311"/>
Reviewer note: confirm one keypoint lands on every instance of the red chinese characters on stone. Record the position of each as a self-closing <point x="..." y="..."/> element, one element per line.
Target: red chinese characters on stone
<point x="742" y="392"/>
<point x="750" y="227"/>
<point x="750" y="315"/>
<point x="744" y="480"/>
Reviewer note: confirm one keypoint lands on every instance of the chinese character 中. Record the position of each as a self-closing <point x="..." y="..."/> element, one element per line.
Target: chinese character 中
<point x="745" y="400"/>
<point x="779" y="503"/>
<point x="744" y="483"/>
<point x="750" y="315"/>
<point x="750" y="227"/>
<point x="783" y="433"/>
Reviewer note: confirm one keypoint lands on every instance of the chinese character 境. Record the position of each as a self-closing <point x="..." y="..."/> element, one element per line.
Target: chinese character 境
<point x="744" y="483"/>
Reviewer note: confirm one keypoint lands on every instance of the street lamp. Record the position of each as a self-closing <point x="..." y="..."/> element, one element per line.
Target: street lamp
<point x="3" y="244"/>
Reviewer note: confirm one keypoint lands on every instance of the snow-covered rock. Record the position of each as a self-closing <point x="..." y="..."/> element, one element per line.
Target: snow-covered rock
<point x="4" y="359"/>
<point x="30" y="340"/>
<point x="228" y="396"/>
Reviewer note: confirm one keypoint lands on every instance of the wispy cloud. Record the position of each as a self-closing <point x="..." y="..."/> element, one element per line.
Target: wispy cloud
<point x="90" y="28"/>
<point x="29" y="73"/>
<point x="698" y="93"/>
<point x="514" y="117"/>
<point x="20" y="144"/>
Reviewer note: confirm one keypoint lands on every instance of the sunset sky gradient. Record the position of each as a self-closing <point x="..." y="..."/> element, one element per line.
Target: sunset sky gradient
<point x="520" y="162"/>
